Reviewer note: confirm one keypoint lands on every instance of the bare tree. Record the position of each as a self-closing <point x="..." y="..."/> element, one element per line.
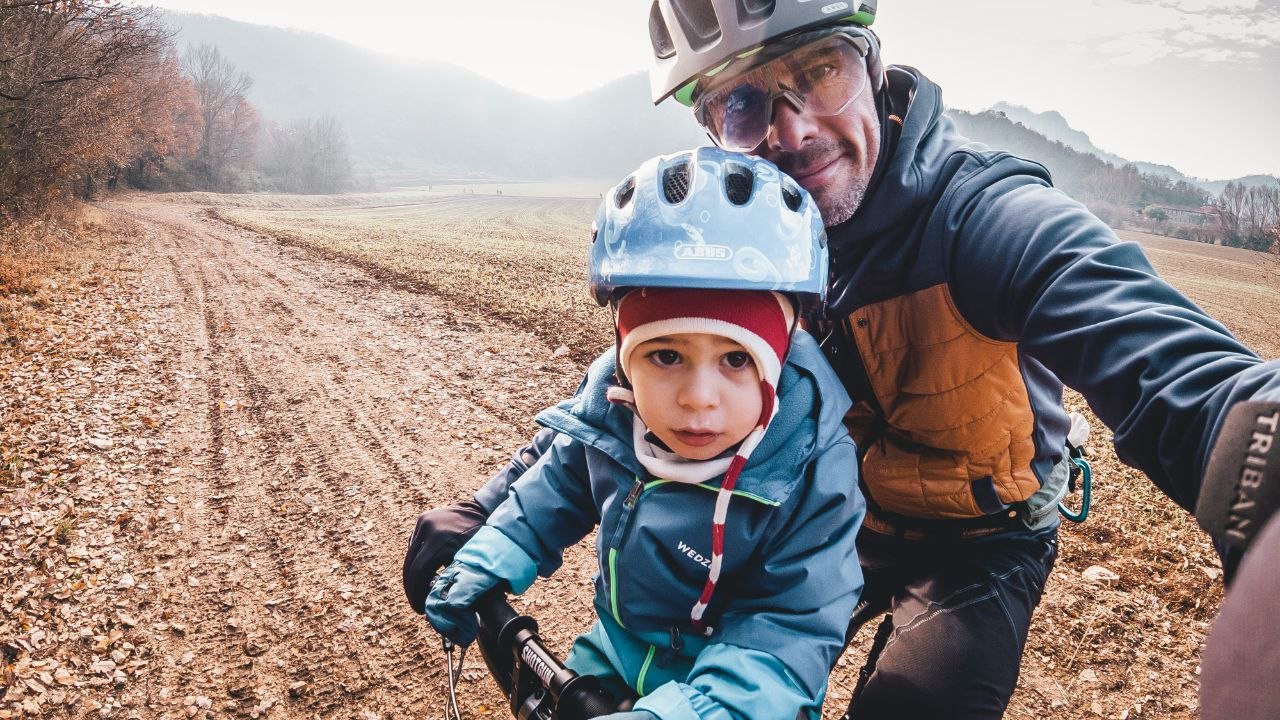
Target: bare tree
<point x="1115" y="185"/>
<point x="82" y="84"/>
<point x="1251" y="215"/>
<point x="308" y="155"/>
<point x="229" y="123"/>
<point x="1231" y="205"/>
<point x="1266" y="203"/>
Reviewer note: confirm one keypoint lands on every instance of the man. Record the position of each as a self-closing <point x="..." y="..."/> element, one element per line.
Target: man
<point x="964" y="292"/>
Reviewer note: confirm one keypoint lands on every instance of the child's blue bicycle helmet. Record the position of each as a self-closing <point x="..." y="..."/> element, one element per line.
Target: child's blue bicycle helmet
<point x="708" y="218"/>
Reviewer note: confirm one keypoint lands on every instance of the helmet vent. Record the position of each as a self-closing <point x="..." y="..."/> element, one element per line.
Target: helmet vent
<point x="752" y="12"/>
<point x="697" y="19"/>
<point x="791" y="196"/>
<point x="675" y="182"/>
<point x="659" y="35"/>
<point x="737" y="184"/>
<point x="625" y="191"/>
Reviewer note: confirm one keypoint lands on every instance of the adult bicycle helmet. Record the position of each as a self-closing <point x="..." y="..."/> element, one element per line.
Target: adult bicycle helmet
<point x="697" y="39"/>
<point x="708" y="218"/>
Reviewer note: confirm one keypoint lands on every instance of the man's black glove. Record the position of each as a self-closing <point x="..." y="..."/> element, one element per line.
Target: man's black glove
<point x="1241" y="486"/>
<point x="439" y="535"/>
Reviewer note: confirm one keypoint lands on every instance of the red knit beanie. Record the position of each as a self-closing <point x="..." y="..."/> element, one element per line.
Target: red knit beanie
<point x="758" y="320"/>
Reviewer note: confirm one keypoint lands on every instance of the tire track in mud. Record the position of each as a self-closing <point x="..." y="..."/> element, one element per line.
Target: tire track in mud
<point x="272" y="546"/>
<point x="321" y="411"/>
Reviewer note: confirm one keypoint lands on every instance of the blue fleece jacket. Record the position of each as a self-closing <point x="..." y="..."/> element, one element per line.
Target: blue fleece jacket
<point x="790" y="576"/>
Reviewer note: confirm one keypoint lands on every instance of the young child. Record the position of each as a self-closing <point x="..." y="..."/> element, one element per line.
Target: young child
<point x="708" y="446"/>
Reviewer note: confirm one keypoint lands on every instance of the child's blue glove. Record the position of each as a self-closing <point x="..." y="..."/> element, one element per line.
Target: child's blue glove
<point x="488" y="560"/>
<point x="453" y="595"/>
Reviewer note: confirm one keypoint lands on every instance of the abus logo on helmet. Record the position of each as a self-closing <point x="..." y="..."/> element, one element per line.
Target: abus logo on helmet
<point x="702" y="252"/>
<point x="833" y="7"/>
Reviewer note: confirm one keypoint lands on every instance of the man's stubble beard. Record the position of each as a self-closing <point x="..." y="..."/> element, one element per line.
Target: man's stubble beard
<point x="837" y="204"/>
<point x="846" y="202"/>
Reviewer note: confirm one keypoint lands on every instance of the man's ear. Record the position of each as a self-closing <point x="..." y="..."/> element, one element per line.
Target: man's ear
<point x="875" y="65"/>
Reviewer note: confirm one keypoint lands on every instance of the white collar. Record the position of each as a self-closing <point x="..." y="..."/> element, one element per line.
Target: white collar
<point x="666" y="465"/>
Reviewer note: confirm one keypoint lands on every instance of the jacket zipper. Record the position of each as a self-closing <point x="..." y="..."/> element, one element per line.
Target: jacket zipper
<point x="624" y="525"/>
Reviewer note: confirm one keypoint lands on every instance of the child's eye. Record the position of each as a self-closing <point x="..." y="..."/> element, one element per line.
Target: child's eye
<point x="737" y="359"/>
<point x="665" y="357"/>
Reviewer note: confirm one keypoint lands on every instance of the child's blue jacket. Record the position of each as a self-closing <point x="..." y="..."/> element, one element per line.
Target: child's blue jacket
<point x="790" y="576"/>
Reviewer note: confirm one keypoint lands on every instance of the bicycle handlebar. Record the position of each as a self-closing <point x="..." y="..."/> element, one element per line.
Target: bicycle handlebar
<point x="533" y="678"/>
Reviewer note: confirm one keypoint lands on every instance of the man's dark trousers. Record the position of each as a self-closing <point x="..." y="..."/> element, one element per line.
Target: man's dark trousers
<point x="961" y="611"/>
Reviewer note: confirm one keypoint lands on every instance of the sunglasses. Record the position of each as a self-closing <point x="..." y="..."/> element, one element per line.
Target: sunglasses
<point x="822" y="77"/>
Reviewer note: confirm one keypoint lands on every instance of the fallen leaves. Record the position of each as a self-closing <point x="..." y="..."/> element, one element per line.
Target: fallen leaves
<point x="73" y="472"/>
<point x="1098" y="573"/>
<point x="104" y="642"/>
<point x="102" y="443"/>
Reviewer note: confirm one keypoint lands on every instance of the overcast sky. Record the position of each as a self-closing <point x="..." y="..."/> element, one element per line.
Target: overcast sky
<point x="1191" y="83"/>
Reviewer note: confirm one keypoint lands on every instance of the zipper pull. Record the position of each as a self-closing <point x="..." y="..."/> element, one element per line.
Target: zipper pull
<point x="675" y="645"/>
<point x="634" y="495"/>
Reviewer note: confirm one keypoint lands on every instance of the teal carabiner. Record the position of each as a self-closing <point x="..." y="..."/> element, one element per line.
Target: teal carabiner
<point x="1086" y="479"/>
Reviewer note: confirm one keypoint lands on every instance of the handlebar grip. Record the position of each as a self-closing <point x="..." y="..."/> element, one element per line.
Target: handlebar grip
<point x="584" y="698"/>
<point x="593" y="706"/>
<point x="504" y="631"/>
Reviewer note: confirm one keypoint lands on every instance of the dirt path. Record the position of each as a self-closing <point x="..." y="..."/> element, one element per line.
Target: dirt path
<point x="315" y="413"/>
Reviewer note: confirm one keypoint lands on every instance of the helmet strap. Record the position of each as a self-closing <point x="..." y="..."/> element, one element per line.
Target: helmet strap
<point x="619" y="377"/>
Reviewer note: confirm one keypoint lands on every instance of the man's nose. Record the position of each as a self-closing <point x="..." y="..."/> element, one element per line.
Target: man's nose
<point x="790" y="127"/>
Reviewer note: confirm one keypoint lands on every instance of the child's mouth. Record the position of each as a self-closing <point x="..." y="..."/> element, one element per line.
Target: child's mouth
<point x="696" y="439"/>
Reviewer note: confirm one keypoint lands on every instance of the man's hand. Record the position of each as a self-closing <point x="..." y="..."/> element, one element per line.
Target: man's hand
<point x="441" y="532"/>
<point x="436" y="539"/>
<point x="449" y="606"/>
<point x="1241" y="486"/>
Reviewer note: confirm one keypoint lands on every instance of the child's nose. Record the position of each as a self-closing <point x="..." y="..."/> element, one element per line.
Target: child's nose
<point x="698" y="392"/>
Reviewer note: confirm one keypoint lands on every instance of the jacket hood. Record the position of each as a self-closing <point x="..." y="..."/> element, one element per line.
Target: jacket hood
<point x="916" y="144"/>
<point x="811" y="408"/>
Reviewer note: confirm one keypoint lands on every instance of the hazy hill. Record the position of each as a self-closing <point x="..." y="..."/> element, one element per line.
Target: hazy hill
<point x="409" y="118"/>
<point x="1054" y="126"/>
<point x="1216" y="186"/>
<point x="1071" y="169"/>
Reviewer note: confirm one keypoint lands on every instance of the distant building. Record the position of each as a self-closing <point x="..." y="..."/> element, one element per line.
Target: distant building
<point x="1203" y="215"/>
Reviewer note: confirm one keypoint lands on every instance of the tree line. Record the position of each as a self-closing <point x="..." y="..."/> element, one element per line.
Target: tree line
<point x="1081" y="175"/>
<point x="93" y="93"/>
<point x="1250" y="216"/>
<point x="1242" y="216"/>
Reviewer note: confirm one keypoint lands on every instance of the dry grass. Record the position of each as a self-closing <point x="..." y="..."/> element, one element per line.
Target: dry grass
<point x="41" y="259"/>
<point x="563" y="188"/>
<point x="516" y="259"/>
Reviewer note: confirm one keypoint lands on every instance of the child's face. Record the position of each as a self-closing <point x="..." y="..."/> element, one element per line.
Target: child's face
<point x="699" y="393"/>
